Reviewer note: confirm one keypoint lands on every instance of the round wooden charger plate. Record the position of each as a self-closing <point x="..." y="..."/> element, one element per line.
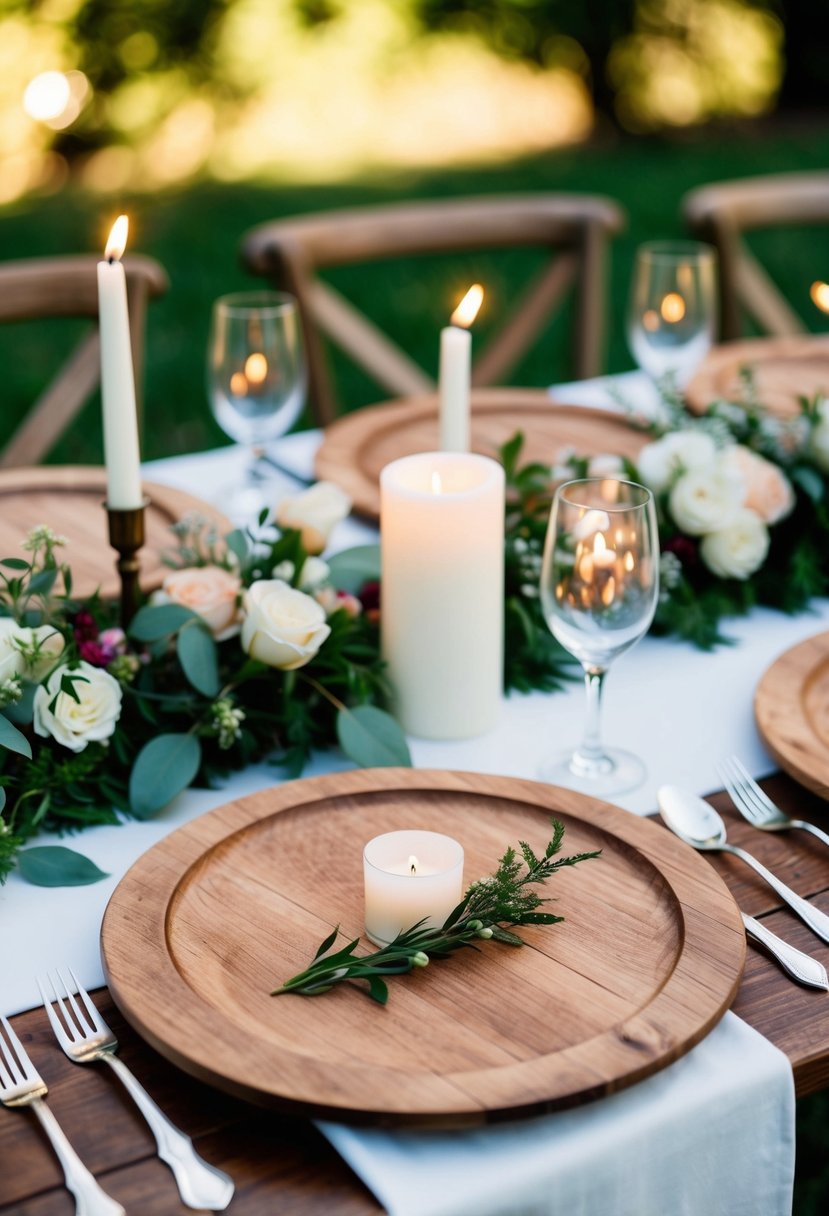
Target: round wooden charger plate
<point x="791" y="706"/>
<point x="70" y="499"/>
<point x="783" y="369"/>
<point x="211" y="919"/>
<point x="357" y="446"/>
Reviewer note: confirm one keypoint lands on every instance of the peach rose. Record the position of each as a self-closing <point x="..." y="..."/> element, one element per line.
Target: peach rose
<point x="768" y="491"/>
<point x="211" y="592"/>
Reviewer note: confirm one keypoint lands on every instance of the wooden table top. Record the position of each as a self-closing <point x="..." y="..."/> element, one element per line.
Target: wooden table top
<point x="282" y="1165"/>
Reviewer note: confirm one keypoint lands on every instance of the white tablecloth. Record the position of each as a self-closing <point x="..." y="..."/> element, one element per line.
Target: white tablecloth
<point x="679" y="709"/>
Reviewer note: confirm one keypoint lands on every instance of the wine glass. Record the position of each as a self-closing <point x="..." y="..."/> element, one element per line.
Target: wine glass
<point x="672" y="312"/>
<point x="599" y="587"/>
<point x="256" y="381"/>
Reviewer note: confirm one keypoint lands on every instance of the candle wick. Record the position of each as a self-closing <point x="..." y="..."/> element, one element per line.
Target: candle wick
<point x="111" y="259"/>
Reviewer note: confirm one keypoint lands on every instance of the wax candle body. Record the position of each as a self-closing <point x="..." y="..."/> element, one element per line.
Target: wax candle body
<point x="455" y="359"/>
<point x="409" y="876"/>
<point x="442" y="545"/>
<point x="118" y="390"/>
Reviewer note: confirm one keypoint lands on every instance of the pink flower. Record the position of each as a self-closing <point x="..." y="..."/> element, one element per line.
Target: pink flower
<point x="768" y="492"/>
<point x="211" y="592"/>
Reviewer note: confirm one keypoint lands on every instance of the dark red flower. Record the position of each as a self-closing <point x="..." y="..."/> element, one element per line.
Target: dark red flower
<point x="684" y="548"/>
<point x="85" y="627"/>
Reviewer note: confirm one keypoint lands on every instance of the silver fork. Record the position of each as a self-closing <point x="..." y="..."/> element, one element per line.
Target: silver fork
<point x="755" y="805"/>
<point x="22" y="1085"/>
<point x="85" y="1037"/>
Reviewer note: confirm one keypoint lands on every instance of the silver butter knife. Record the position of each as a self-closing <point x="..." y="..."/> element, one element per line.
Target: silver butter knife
<point x="800" y="966"/>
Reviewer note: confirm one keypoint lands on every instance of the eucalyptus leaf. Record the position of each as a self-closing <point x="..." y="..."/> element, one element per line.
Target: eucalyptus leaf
<point x="156" y="621"/>
<point x="14" y="739"/>
<point x="371" y="738"/>
<point x="354" y="567"/>
<point x="163" y="768"/>
<point x="15" y="563"/>
<point x="43" y="582"/>
<point x="197" y="654"/>
<point x="237" y="543"/>
<point x="2" y="797"/>
<point x="53" y="865"/>
<point x="22" y="711"/>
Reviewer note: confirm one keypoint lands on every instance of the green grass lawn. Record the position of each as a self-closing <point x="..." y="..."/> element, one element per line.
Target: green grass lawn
<point x="196" y="232"/>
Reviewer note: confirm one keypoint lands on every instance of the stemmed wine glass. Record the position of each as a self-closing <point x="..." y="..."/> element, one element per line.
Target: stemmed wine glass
<point x="599" y="587"/>
<point x="672" y="311"/>
<point x="256" y="381"/>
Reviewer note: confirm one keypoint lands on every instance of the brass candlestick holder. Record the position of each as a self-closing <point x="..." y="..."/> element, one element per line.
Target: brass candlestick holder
<point x="126" y="535"/>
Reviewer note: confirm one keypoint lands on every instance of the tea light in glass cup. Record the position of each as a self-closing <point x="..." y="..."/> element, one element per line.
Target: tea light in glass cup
<point x="410" y="876"/>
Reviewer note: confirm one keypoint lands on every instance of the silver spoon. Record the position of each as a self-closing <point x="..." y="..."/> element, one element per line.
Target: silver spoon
<point x="697" y="823"/>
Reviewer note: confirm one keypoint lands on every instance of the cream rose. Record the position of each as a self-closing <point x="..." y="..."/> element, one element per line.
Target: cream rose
<point x="30" y="653"/>
<point x="283" y="627"/>
<point x="314" y="513"/>
<point x="768" y="492"/>
<point x="706" y="499"/>
<point x="739" y="549"/>
<point x="819" y="441"/>
<point x="678" y="452"/>
<point x="72" y="723"/>
<point x="211" y="592"/>
<point x="605" y="465"/>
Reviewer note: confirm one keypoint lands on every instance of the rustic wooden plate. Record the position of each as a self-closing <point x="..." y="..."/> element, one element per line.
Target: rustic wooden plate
<point x="357" y="446"/>
<point x="783" y="370"/>
<point x="70" y="499"/>
<point x="210" y="920"/>
<point x="791" y="706"/>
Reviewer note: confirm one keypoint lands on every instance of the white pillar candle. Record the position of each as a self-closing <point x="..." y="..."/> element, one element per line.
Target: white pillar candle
<point x="442" y="617"/>
<point x="410" y="876"/>
<point x="455" y="371"/>
<point x="117" y="380"/>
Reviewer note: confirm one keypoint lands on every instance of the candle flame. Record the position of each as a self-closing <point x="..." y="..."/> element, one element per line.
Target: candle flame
<point x="117" y="242"/>
<point x="467" y="310"/>
<point x="820" y="295"/>
<point x="437" y="488"/>
<point x="413" y="863"/>
<point x="256" y="368"/>
<point x="672" y="307"/>
<point x="238" y="384"/>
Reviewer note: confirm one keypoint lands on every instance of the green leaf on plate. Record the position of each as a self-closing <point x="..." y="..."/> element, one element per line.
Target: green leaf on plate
<point x="197" y="654"/>
<point x="371" y="738"/>
<point x="155" y="621"/>
<point x="14" y="739"/>
<point x="163" y="768"/>
<point x="353" y="567"/>
<point x="52" y="865"/>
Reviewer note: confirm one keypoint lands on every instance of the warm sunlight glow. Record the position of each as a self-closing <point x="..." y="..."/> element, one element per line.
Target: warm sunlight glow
<point x="256" y="368"/>
<point x="117" y="242"/>
<point x="467" y="310"/>
<point x="820" y="295"/>
<point x="672" y="307"/>
<point x="47" y="96"/>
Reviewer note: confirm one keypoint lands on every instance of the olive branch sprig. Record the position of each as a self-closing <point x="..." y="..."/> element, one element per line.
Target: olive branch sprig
<point x="488" y="906"/>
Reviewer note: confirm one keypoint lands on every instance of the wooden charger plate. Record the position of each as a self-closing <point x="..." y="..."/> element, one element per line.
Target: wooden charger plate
<point x="222" y="911"/>
<point x="357" y="446"/>
<point x="791" y="706"/>
<point x="70" y="500"/>
<point x="783" y="370"/>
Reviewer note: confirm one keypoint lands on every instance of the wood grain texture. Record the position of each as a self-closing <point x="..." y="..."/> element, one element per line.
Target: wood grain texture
<point x="791" y="706"/>
<point x="70" y="500"/>
<point x="356" y="447"/>
<point x="211" y="919"/>
<point x="782" y="369"/>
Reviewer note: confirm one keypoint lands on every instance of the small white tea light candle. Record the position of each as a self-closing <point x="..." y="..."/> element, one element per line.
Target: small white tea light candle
<point x="117" y="379"/>
<point x="442" y="624"/>
<point x="455" y="372"/>
<point x="410" y="876"/>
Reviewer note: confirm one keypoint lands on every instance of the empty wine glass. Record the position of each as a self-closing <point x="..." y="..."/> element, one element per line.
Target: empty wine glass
<point x="599" y="586"/>
<point x="256" y="381"/>
<point x="672" y="312"/>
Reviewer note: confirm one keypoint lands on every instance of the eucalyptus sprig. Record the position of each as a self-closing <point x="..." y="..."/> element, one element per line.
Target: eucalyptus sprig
<point x="489" y="905"/>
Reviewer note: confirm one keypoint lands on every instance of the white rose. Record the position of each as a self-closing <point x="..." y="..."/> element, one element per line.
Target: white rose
<point x="738" y="550"/>
<point x="605" y="465"/>
<point x="18" y="643"/>
<point x="72" y="723"/>
<point x="819" y="441"/>
<point x="283" y="627"/>
<point x="680" y="451"/>
<point x="706" y="499"/>
<point x="314" y="572"/>
<point x="314" y="513"/>
<point x="11" y="659"/>
<point x="211" y="592"/>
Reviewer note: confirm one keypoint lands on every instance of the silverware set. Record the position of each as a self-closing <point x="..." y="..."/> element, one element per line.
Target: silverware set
<point x="85" y="1038"/>
<point x="697" y="823"/>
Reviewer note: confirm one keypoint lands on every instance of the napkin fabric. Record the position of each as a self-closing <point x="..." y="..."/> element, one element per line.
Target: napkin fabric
<point x="711" y="1135"/>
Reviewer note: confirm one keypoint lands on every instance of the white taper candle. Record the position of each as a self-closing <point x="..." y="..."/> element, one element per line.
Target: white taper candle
<point x="121" y="453"/>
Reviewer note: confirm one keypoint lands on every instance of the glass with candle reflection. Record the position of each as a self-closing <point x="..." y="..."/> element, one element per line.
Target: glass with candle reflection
<point x="672" y="311"/>
<point x="256" y="381"/>
<point x="599" y="587"/>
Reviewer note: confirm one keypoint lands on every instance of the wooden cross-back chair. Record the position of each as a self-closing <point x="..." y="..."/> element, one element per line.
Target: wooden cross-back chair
<point x="39" y="288"/>
<point x="723" y="212"/>
<point x="574" y="230"/>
